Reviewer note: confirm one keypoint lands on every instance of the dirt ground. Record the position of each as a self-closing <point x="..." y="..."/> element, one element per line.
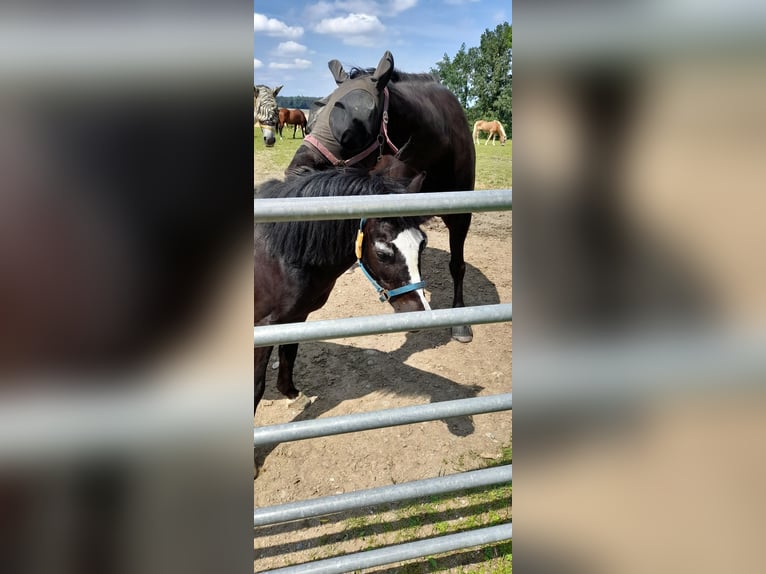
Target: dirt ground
<point x="384" y="371"/>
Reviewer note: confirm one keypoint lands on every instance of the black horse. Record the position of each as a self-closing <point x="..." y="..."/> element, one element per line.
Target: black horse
<point x="297" y="263"/>
<point x="377" y="112"/>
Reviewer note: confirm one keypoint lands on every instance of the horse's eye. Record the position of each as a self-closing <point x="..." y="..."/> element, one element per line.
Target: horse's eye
<point x="384" y="256"/>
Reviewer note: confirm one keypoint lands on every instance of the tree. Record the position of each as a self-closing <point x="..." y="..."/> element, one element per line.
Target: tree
<point x="481" y="77"/>
<point x="493" y="78"/>
<point x="456" y="74"/>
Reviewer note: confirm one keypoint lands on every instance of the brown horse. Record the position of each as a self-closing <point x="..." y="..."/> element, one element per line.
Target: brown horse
<point x="293" y="118"/>
<point x="376" y="112"/>
<point x="493" y="128"/>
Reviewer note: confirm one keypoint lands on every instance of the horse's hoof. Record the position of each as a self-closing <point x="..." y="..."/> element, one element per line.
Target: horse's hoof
<point x="301" y="402"/>
<point x="462" y="333"/>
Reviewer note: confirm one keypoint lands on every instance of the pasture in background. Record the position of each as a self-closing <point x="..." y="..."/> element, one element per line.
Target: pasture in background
<point x="494" y="164"/>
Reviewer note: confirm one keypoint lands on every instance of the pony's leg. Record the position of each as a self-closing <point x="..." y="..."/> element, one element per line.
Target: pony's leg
<point x="261" y="361"/>
<point x="287" y="354"/>
<point x="458" y="225"/>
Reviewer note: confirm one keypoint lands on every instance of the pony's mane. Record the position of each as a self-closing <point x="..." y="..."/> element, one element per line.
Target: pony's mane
<point x="319" y="243"/>
<point x="502" y="129"/>
<point x="396" y="75"/>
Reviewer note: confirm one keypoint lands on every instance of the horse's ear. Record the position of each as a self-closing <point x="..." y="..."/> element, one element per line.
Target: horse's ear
<point x="276" y="90"/>
<point x="383" y="71"/>
<point x="338" y="72"/>
<point x="416" y="183"/>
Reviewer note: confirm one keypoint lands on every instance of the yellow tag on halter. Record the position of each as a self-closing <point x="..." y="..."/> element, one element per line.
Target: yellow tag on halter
<point x="359" y="240"/>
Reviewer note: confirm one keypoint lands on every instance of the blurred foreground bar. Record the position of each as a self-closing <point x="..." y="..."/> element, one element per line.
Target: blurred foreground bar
<point x="639" y="286"/>
<point x="125" y="287"/>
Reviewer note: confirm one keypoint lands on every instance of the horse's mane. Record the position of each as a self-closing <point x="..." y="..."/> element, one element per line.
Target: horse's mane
<point x="502" y="129"/>
<point x="316" y="243"/>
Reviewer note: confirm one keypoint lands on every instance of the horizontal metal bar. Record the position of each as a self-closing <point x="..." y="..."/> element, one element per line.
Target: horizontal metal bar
<point x="401" y="552"/>
<point x="354" y="207"/>
<point x="649" y="366"/>
<point x="267" y="335"/>
<point x="382" y="495"/>
<point x="301" y="430"/>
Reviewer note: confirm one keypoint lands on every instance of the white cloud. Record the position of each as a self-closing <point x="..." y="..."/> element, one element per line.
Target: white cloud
<point x="353" y="24"/>
<point x="359" y="6"/>
<point x="274" y="27"/>
<point x="402" y="5"/>
<point x="290" y="48"/>
<point x="319" y="10"/>
<point x="257" y="63"/>
<point x="295" y="64"/>
<point x="324" y="9"/>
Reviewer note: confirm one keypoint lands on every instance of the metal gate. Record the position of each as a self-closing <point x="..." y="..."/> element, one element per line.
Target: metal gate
<point x="383" y="206"/>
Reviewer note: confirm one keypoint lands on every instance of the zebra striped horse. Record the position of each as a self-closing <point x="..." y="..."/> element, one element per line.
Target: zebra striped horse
<point x="266" y="112"/>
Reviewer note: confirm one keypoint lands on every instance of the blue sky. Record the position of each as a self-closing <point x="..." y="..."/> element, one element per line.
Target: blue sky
<point x="293" y="41"/>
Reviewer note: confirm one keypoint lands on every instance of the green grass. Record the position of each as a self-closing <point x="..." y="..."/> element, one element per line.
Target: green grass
<point x="280" y="154"/>
<point x="437" y="515"/>
<point x="494" y="164"/>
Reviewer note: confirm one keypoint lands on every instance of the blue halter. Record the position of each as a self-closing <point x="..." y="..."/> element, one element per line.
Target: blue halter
<point x="383" y="294"/>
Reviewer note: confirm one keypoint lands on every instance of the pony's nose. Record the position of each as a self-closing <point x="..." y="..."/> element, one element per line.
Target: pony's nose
<point x="268" y="136"/>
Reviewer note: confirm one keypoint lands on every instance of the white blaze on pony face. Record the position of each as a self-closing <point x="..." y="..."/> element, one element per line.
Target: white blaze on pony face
<point x="268" y="135"/>
<point x="409" y="242"/>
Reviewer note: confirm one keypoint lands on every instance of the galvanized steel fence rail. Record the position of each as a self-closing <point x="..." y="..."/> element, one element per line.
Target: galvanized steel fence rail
<point x="381" y="206"/>
<point x="301" y="430"/>
<point x="377" y="324"/>
<point x="444" y="203"/>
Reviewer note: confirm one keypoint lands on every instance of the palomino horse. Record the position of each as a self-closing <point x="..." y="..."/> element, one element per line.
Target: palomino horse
<point x="493" y="128"/>
<point x="298" y="262"/>
<point x="265" y="112"/>
<point x="377" y="111"/>
<point x="295" y="118"/>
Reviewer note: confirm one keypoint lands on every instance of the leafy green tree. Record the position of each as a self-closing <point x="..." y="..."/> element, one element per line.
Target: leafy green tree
<point x="456" y="74"/>
<point x="481" y="77"/>
<point x="492" y="78"/>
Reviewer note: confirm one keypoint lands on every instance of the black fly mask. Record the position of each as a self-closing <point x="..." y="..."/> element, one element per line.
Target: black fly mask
<point x="348" y="121"/>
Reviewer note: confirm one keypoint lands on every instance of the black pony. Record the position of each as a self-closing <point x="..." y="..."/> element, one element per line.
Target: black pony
<point x="378" y="112"/>
<point x="297" y="263"/>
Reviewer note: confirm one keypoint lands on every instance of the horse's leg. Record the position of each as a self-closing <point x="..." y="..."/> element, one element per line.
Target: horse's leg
<point x="295" y="128"/>
<point x="287" y="354"/>
<point x="458" y="225"/>
<point x="261" y="361"/>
